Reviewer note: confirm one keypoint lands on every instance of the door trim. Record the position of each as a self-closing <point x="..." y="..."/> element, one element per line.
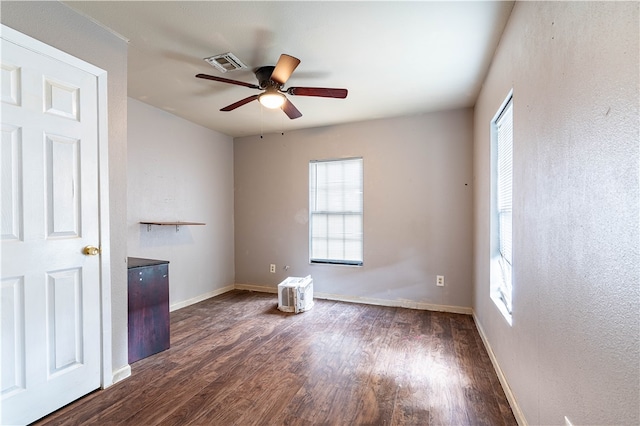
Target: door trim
<point x="23" y="40"/>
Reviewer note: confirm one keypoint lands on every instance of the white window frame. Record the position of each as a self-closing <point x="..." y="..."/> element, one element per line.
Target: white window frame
<point x="336" y="218"/>
<point x="501" y="285"/>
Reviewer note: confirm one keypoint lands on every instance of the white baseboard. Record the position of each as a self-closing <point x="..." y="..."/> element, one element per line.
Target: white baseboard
<point x="400" y="303"/>
<point x="517" y="412"/>
<point x="367" y="300"/>
<point x="121" y="374"/>
<point x="258" y="288"/>
<point x="200" y="298"/>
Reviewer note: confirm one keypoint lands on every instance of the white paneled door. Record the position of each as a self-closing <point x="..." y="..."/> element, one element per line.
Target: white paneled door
<point x="50" y="295"/>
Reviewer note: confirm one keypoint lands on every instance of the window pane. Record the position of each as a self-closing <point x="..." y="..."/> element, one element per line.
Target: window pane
<point x="505" y="234"/>
<point x="319" y="229"/>
<point x="319" y="248"/>
<point x="353" y="250"/>
<point x="336" y="226"/>
<point x="353" y="226"/>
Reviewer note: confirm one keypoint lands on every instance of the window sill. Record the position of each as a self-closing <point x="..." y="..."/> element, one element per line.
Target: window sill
<point x="335" y="263"/>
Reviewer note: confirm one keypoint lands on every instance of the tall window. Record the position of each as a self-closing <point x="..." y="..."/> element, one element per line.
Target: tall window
<point x="502" y="258"/>
<point x="335" y="211"/>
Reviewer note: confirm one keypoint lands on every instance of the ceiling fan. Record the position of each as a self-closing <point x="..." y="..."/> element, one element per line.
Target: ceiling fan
<point x="272" y="79"/>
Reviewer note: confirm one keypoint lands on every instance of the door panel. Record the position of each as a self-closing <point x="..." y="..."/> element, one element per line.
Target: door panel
<point x="10" y="79"/>
<point x="64" y="320"/>
<point x="13" y="356"/>
<point x="11" y="181"/>
<point x="61" y="99"/>
<point x="63" y="170"/>
<point x="51" y="331"/>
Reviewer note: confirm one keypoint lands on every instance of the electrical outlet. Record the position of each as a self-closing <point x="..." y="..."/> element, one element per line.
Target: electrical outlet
<point x="272" y="268"/>
<point x="440" y="280"/>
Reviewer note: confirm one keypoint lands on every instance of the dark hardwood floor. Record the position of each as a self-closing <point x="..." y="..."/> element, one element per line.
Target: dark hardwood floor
<point x="236" y="360"/>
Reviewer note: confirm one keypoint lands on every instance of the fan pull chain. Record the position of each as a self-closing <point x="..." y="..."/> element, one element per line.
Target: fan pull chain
<point x="261" y="120"/>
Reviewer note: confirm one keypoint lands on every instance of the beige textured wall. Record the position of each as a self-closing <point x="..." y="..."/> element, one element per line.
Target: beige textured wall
<point x="181" y="171"/>
<point x="573" y="349"/>
<point x="417" y="207"/>
<point x="56" y="25"/>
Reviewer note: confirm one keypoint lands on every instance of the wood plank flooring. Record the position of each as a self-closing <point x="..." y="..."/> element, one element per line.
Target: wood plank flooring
<point x="236" y="360"/>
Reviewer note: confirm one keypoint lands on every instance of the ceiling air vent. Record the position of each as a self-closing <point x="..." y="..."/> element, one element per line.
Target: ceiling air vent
<point x="225" y="62"/>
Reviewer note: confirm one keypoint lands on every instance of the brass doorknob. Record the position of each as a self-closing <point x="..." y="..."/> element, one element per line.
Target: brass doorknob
<point x="91" y="250"/>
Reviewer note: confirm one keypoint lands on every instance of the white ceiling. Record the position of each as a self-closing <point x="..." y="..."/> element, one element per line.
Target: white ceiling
<point x="395" y="58"/>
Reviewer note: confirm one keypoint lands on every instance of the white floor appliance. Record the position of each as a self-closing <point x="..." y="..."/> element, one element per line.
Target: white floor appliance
<point x="295" y="294"/>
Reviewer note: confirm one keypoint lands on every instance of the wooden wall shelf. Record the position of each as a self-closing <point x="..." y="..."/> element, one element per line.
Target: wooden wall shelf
<point x="176" y="224"/>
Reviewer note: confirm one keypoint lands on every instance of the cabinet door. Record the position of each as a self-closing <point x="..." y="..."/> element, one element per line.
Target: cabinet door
<point x="148" y="311"/>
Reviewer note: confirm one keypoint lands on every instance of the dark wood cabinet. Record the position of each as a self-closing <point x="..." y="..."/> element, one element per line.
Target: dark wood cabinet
<point x="148" y="307"/>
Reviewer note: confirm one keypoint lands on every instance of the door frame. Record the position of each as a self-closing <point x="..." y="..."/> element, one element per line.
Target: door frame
<point x="27" y="42"/>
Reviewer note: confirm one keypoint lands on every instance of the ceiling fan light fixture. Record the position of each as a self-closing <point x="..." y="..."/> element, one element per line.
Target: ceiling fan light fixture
<point x="271" y="99"/>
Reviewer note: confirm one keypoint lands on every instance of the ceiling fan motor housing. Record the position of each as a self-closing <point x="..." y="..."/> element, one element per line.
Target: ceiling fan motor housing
<point x="263" y="74"/>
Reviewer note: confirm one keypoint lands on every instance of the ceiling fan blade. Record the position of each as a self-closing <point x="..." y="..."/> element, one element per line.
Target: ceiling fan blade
<point x="289" y="109"/>
<point x="284" y="68"/>
<point x="226" y="80"/>
<point x="322" y="92"/>
<point x="239" y="103"/>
